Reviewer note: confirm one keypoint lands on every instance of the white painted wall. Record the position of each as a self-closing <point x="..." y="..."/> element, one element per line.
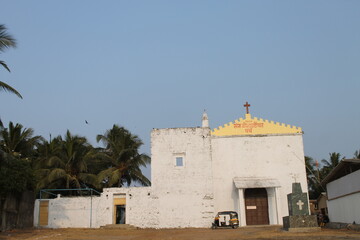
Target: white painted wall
<point x="345" y="209"/>
<point x="346" y="191"/>
<point x="278" y="157"/>
<point x="344" y="185"/>
<point x="73" y="212"/>
<point x="142" y="208"/>
<point x="185" y="194"/>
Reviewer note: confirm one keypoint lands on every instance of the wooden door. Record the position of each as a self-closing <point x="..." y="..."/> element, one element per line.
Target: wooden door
<point x="119" y="209"/>
<point x="44" y="213"/>
<point x="256" y="205"/>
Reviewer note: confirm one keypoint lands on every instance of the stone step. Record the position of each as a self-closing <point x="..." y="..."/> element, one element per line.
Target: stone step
<point x="119" y="226"/>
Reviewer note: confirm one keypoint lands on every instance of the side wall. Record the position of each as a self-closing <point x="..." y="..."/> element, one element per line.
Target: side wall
<point x="344" y="198"/>
<point x="142" y="208"/>
<point x="76" y="212"/>
<point x="279" y="157"/>
<point x="345" y="209"/>
<point x="184" y="193"/>
<point x="85" y="212"/>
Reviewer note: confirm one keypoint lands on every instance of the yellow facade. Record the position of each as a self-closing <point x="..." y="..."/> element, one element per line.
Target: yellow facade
<point x="254" y="126"/>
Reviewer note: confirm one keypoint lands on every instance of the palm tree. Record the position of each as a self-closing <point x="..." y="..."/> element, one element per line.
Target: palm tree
<point x="309" y="164"/>
<point x="331" y="164"/>
<point x="6" y="41"/>
<point x="314" y="177"/>
<point x="123" y="158"/>
<point x="18" y="141"/>
<point x="63" y="163"/>
<point x="47" y="153"/>
<point x="17" y="147"/>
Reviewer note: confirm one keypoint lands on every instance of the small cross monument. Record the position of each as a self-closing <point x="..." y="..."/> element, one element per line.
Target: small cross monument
<point x="299" y="218"/>
<point x="298" y="204"/>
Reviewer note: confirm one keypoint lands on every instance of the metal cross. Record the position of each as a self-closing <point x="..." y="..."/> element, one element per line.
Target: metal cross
<point x="247" y="105"/>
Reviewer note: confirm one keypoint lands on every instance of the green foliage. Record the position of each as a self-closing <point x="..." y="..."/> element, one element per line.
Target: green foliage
<point x="330" y="164"/>
<point x="18" y="141"/>
<point x="6" y="41"/>
<point x="17" y="146"/>
<point x="16" y="175"/>
<point x="73" y="163"/>
<point x="122" y="156"/>
<point x="62" y="163"/>
<point x="316" y="173"/>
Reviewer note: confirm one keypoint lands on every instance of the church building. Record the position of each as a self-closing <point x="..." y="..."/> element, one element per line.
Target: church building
<point x="247" y="166"/>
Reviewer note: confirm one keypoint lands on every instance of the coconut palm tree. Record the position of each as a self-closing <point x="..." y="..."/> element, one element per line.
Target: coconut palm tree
<point x="18" y="141"/>
<point x="6" y="41"/>
<point x="122" y="155"/>
<point x="314" y="177"/>
<point x="331" y="164"/>
<point x="309" y="164"/>
<point x="47" y="153"/>
<point x="17" y="147"/>
<point x="63" y="163"/>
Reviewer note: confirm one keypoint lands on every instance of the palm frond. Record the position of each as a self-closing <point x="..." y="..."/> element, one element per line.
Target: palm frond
<point x="56" y="173"/>
<point x="89" y="179"/>
<point x="104" y="176"/>
<point x="7" y="88"/>
<point x="115" y="178"/>
<point x="6" y="40"/>
<point x="2" y="63"/>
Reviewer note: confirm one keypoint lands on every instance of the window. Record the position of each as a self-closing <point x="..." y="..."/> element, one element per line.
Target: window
<point x="179" y="161"/>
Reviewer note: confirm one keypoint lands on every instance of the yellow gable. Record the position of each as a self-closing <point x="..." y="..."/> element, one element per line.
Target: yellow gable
<point x="254" y="126"/>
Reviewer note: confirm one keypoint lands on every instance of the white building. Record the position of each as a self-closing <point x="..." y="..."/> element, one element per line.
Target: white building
<point x="246" y="166"/>
<point x="343" y="192"/>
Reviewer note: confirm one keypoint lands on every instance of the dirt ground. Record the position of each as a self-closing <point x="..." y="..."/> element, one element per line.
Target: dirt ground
<point x="265" y="232"/>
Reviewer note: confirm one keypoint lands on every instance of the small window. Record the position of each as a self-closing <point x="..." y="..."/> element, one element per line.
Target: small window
<point x="179" y="161"/>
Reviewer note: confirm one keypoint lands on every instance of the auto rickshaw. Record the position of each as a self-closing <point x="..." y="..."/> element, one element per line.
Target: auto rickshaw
<point x="226" y="219"/>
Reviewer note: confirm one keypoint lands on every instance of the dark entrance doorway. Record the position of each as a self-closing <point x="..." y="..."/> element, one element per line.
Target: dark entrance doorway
<point x="256" y="205"/>
<point x="120" y="214"/>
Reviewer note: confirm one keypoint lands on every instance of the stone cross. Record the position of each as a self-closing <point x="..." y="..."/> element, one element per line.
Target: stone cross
<point x="300" y="204"/>
<point x="295" y="176"/>
<point x="247" y="105"/>
<point x="297" y="201"/>
<point x="299" y="210"/>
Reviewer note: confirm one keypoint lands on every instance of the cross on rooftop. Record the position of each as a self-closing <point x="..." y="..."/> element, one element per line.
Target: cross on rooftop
<point x="247" y="105"/>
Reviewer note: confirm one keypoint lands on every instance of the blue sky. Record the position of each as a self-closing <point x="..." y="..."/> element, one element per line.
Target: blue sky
<point x="159" y="64"/>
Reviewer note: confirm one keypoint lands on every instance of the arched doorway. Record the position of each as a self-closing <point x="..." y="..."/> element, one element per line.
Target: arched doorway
<point x="256" y="205"/>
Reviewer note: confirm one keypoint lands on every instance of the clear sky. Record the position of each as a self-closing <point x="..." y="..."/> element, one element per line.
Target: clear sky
<point x="159" y="64"/>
